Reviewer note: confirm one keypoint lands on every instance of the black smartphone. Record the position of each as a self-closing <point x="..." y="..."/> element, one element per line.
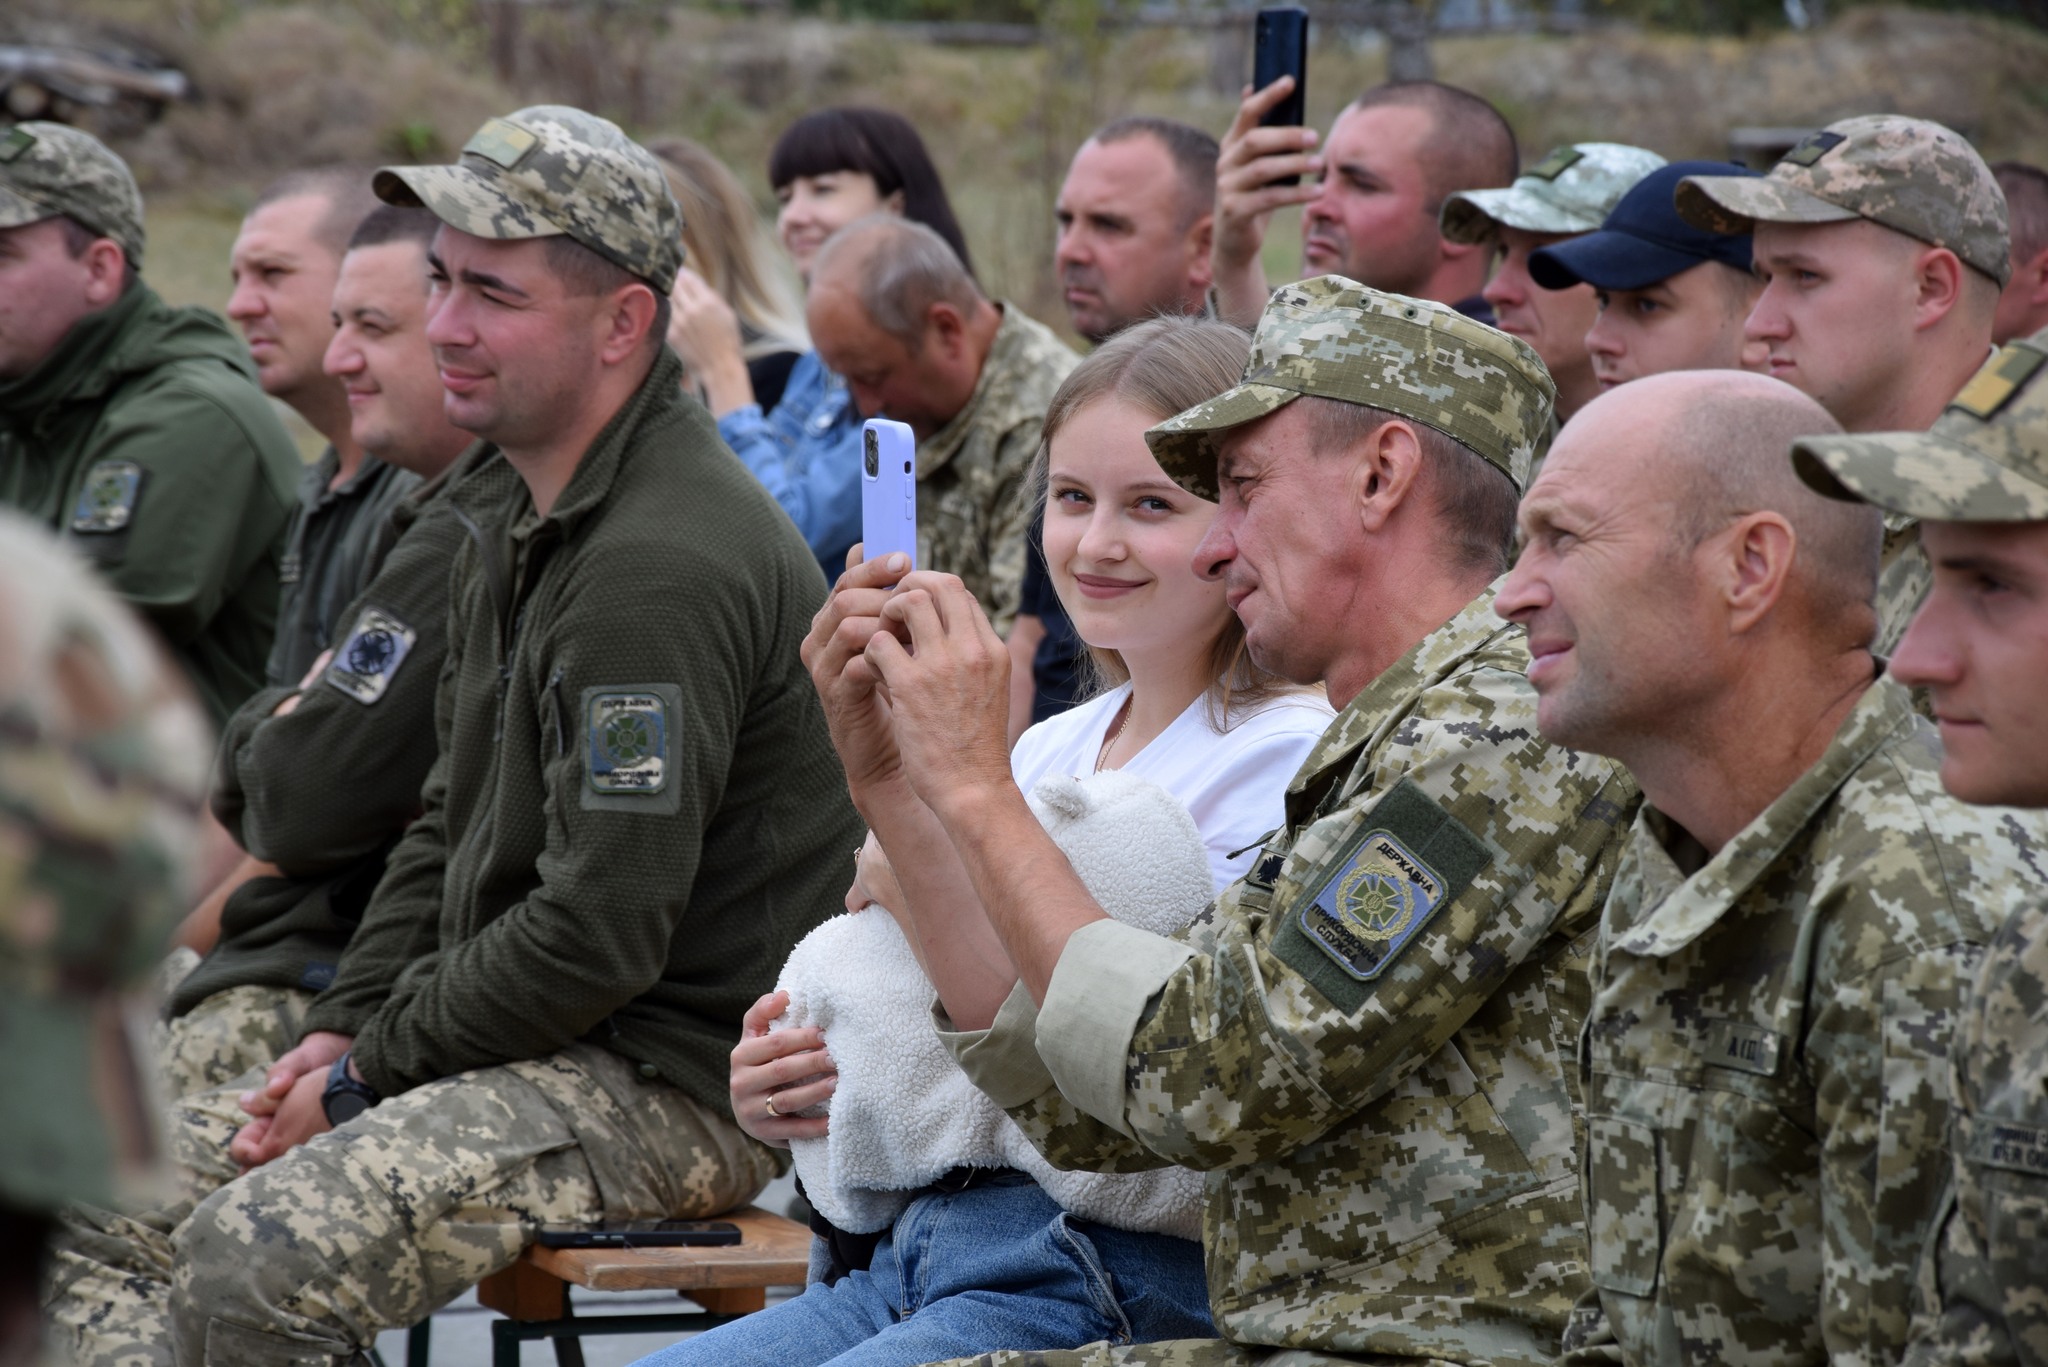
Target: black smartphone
<point x="1280" y="48"/>
<point x="639" y="1234"/>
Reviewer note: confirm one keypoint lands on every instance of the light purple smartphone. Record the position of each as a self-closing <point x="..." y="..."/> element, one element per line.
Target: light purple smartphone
<point x="888" y="490"/>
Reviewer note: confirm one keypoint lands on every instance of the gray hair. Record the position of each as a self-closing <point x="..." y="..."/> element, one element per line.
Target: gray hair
<point x="900" y="269"/>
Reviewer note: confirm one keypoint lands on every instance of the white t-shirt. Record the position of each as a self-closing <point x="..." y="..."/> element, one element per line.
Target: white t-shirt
<point x="1233" y="783"/>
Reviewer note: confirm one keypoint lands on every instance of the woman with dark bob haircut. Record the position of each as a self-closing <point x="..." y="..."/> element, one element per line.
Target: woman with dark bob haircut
<point x="828" y="169"/>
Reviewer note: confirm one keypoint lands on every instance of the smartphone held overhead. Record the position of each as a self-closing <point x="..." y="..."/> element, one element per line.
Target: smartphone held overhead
<point x="888" y="490"/>
<point x="1280" y="48"/>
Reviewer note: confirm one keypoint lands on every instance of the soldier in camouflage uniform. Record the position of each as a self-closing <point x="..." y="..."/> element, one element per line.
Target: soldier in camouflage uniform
<point x="1564" y="195"/>
<point x="1882" y="242"/>
<point x="632" y="816"/>
<point x="102" y="766"/>
<point x="1978" y="480"/>
<point x="1367" y="1041"/>
<point x="972" y="379"/>
<point x="1800" y="908"/>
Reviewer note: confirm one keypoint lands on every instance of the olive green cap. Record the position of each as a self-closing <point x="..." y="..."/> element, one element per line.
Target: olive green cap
<point x="553" y="171"/>
<point x="1984" y="460"/>
<point x="47" y="169"/>
<point x="1341" y="340"/>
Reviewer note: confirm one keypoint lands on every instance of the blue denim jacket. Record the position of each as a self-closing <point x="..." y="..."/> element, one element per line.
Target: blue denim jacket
<point x="807" y="454"/>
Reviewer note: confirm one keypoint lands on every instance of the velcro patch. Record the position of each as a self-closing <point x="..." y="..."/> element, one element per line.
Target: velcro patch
<point x="17" y="141"/>
<point x="628" y="745"/>
<point x="1556" y="164"/>
<point x="2002" y="377"/>
<point x="501" y="143"/>
<point x="1813" y="147"/>
<point x="1744" y="1047"/>
<point x="2002" y="1144"/>
<point x="106" y="501"/>
<point x="366" y="662"/>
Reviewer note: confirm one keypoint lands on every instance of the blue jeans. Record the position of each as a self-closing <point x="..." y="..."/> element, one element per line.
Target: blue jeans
<point x="993" y="1267"/>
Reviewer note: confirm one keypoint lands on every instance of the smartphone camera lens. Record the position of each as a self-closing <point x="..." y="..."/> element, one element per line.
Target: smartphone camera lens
<point x="873" y="459"/>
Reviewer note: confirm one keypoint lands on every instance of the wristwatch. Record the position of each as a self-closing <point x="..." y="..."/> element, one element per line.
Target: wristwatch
<point x="345" y="1098"/>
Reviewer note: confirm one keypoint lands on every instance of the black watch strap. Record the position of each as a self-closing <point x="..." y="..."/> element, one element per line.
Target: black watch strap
<point x="345" y="1098"/>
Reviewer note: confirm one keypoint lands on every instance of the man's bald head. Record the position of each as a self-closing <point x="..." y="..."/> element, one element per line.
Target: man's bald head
<point x="897" y="269"/>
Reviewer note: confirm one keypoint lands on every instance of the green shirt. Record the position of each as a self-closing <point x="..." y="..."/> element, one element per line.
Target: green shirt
<point x="331" y="549"/>
<point x="144" y="441"/>
<point x="636" y="810"/>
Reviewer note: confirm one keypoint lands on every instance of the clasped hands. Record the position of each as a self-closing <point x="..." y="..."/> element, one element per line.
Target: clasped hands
<point x="286" y="1110"/>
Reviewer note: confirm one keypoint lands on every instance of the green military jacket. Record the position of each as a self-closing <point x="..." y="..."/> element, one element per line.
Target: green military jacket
<point x="973" y="510"/>
<point x="324" y="791"/>
<point x="144" y="441"/>
<point x="636" y="810"/>
<point x="1766" y="1057"/>
<point x="1990" y="1268"/>
<point x="330" y="555"/>
<point x="1367" y="1042"/>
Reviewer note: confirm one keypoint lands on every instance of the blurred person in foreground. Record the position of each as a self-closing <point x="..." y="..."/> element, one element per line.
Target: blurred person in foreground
<point x="827" y="169"/>
<point x="1135" y="217"/>
<point x="1978" y="483"/>
<point x="1882" y="244"/>
<point x="727" y="250"/>
<point x="1372" y="196"/>
<point x="1670" y="296"/>
<point x="133" y="429"/>
<point x="1800" y="907"/>
<point x="102" y="771"/>
<point x="284" y="264"/>
<point x="894" y="311"/>
<point x="1561" y="197"/>
<point x="2023" y="303"/>
<point x="1388" y="1130"/>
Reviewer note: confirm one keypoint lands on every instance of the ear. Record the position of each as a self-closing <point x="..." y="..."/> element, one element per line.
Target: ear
<point x="1387" y="473"/>
<point x="628" y="321"/>
<point x="106" y="267"/>
<point x="2032" y="276"/>
<point x="893" y="203"/>
<point x="945" y="329"/>
<point x="1937" y="286"/>
<point x="1752" y="565"/>
<point x="1200" y="238"/>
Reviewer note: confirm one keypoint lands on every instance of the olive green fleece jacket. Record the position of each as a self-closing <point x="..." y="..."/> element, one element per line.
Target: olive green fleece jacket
<point x="144" y="441"/>
<point x="325" y="790"/>
<point x="636" y="810"/>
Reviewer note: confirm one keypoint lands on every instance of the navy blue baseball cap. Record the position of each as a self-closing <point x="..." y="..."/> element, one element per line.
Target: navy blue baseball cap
<point x="1644" y="240"/>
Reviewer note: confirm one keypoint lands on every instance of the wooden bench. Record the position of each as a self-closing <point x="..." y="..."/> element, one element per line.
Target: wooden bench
<point x="727" y="1280"/>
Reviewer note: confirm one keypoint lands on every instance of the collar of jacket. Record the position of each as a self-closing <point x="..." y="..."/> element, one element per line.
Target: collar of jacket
<point x="658" y="395"/>
<point x="1365" y="721"/>
<point x="1679" y="909"/>
<point x="78" y="368"/>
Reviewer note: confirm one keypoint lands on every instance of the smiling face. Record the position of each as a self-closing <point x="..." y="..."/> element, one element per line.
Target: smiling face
<point x="1120" y="539"/>
<point x="1691" y="321"/>
<point x="1124" y="253"/>
<point x="283" y="293"/>
<point x="1836" y="313"/>
<point x="1375" y="217"/>
<point x="1980" y="647"/>
<point x="815" y="207"/>
<point x="380" y="355"/>
<point x="1554" y="322"/>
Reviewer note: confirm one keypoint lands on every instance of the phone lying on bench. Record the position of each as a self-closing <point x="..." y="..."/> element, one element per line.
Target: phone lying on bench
<point x="639" y="1234"/>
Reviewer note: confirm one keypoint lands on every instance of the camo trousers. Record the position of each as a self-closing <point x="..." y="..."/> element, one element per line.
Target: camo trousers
<point x="376" y="1224"/>
<point x="1186" y="1353"/>
<point x="209" y="1057"/>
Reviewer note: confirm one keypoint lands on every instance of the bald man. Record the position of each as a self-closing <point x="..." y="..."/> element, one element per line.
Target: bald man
<point x="1800" y="906"/>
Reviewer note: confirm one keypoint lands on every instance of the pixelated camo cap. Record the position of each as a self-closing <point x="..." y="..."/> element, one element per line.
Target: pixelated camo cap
<point x="1984" y="460"/>
<point x="1569" y="191"/>
<point x="1910" y="175"/>
<point x="553" y="171"/>
<point x="48" y="169"/>
<point x="1338" y="339"/>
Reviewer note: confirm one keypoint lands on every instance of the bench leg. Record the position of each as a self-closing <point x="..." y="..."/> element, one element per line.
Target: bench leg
<point x="419" y="1342"/>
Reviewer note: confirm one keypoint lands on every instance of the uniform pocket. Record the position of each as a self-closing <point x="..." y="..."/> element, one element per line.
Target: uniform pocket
<point x="1624" y="1215"/>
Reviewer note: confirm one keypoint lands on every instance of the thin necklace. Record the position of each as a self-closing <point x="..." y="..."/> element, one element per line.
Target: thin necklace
<point x="1123" y="719"/>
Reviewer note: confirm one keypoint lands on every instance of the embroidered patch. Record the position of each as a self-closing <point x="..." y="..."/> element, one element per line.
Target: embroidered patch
<point x="366" y="662"/>
<point x="1374" y="906"/>
<point x="2002" y="1144"/>
<point x="1556" y="164"/>
<point x="17" y="141"/>
<point x="501" y="143"/>
<point x="1991" y="388"/>
<point x="1744" y="1047"/>
<point x="626" y="741"/>
<point x="1813" y="147"/>
<point x="106" y="501"/>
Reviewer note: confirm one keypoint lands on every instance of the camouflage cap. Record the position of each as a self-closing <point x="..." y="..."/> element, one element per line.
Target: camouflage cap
<point x="1984" y="460"/>
<point x="1911" y="175"/>
<point x="1569" y="191"/>
<point x="48" y="169"/>
<point x="1338" y="339"/>
<point x="553" y="171"/>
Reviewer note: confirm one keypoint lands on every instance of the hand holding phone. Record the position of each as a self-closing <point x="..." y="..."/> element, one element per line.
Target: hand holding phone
<point x="888" y="490"/>
<point x="1280" y="48"/>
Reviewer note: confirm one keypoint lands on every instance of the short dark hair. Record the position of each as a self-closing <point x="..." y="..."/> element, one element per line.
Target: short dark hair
<point x="880" y="144"/>
<point x="346" y="190"/>
<point x="2026" y="205"/>
<point x="395" y="223"/>
<point x="586" y="273"/>
<point x="1471" y="144"/>
<point x="1475" y="501"/>
<point x="1193" y="151"/>
<point x="78" y="238"/>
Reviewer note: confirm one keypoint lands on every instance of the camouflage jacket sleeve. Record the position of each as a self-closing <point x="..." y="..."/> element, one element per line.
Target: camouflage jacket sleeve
<point x="1235" y="1043"/>
<point x="1986" y="1266"/>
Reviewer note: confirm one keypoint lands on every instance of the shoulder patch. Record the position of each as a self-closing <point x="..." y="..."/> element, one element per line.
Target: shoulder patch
<point x="367" y="661"/>
<point x="1813" y="147"/>
<point x="1556" y="164"/>
<point x="1376" y="894"/>
<point x="1991" y="388"/>
<point x="106" y="501"/>
<point x="629" y="747"/>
